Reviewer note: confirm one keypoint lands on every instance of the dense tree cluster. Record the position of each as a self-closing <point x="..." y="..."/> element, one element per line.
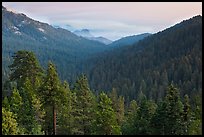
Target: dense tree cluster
<point x="148" y="66"/>
<point x="20" y="32"/>
<point x="153" y="87"/>
<point x="42" y="104"/>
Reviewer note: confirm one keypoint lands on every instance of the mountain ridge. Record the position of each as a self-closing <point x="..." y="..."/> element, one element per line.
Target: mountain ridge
<point x="129" y="40"/>
<point x="20" y="32"/>
<point x="86" y="34"/>
<point x="171" y="55"/>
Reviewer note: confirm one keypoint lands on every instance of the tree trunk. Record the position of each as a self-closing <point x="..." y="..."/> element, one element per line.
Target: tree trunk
<point x="54" y="120"/>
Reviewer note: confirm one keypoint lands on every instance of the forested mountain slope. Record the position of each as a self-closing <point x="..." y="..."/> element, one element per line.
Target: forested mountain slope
<point x="172" y="55"/>
<point x="128" y="40"/>
<point x="147" y="67"/>
<point x="152" y="87"/>
<point x="64" y="48"/>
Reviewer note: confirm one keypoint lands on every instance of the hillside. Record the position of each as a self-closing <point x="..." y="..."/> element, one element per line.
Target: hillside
<point x="172" y="55"/>
<point x="57" y="83"/>
<point x="128" y="40"/>
<point x="61" y="46"/>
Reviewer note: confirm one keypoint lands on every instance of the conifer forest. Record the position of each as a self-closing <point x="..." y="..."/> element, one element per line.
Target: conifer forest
<point x="58" y="82"/>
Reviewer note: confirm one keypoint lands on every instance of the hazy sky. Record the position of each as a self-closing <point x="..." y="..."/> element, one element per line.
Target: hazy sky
<point x="112" y="20"/>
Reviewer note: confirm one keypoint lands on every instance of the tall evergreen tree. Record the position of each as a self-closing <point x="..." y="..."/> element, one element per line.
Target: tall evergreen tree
<point x="25" y="65"/>
<point x="142" y="119"/>
<point x="186" y="115"/>
<point x="33" y="112"/>
<point x="120" y="110"/>
<point x="16" y="107"/>
<point x="174" y="110"/>
<point x="52" y="94"/>
<point x="114" y="98"/>
<point x="118" y="105"/>
<point x="159" y="121"/>
<point x="106" y="123"/>
<point x="67" y="113"/>
<point x="128" y="124"/>
<point x="16" y="104"/>
<point x="85" y="106"/>
<point x="195" y="127"/>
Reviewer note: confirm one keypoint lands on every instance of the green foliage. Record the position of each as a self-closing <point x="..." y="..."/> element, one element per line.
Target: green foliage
<point x="5" y="103"/>
<point x="195" y="126"/>
<point x="52" y="94"/>
<point x="128" y="125"/>
<point x="9" y="123"/>
<point x="118" y="105"/>
<point x="51" y="87"/>
<point x="120" y="110"/>
<point x="66" y="117"/>
<point x="158" y="121"/>
<point x="16" y="103"/>
<point x="174" y="111"/>
<point x="186" y="115"/>
<point x="57" y="44"/>
<point x="25" y="65"/>
<point x="30" y="107"/>
<point x="85" y="106"/>
<point x="33" y="113"/>
<point x="138" y="72"/>
<point x="151" y="64"/>
<point x="106" y="123"/>
<point x="169" y="118"/>
<point x="141" y="121"/>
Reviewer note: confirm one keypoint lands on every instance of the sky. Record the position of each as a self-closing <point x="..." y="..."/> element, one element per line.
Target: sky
<point x="112" y="20"/>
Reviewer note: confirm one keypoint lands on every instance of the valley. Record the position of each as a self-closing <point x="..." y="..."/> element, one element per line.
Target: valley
<point x="58" y="82"/>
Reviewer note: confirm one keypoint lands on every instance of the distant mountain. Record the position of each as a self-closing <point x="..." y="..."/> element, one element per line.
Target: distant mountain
<point x="100" y="39"/>
<point x="86" y="34"/>
<point x="129" y="40"/>
<point x="150" y="65"/>
<point x="83" y="33"/>
<point x="20" y="32"/>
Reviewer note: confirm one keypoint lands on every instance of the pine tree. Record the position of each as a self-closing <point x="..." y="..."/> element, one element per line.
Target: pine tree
<point x="5" y="103"/>
<point x="158" y="121"/>
<point x="16" y="107"/>
<point x="16" y="104"/>
<point x="66" y="113"/>
<point x="106" y="123"/>
<point x="186" y="115"/>
<point x="25" y="65"/>
<point x="9" y="123"/>
<point x="85" y="106"/>
<point x="195" y="127"/>
<point x="174" y="110"/>
<point x="33" y="112"/>
<point x="114" y="98"/>
<point x="128" y="125"/>
<point x="142" y="119"/>
<point x="52" y="94"/>
<point x="120" y="110"/>
<point x="118" y="105"/>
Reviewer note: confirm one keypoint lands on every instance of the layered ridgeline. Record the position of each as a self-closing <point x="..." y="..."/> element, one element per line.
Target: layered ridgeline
<point x="86" y="34"/>
<point x="173" y="55"/>
<point x="128" y="40"/>
<point x="147" y="67"/>
<point x="61" y="46"/>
